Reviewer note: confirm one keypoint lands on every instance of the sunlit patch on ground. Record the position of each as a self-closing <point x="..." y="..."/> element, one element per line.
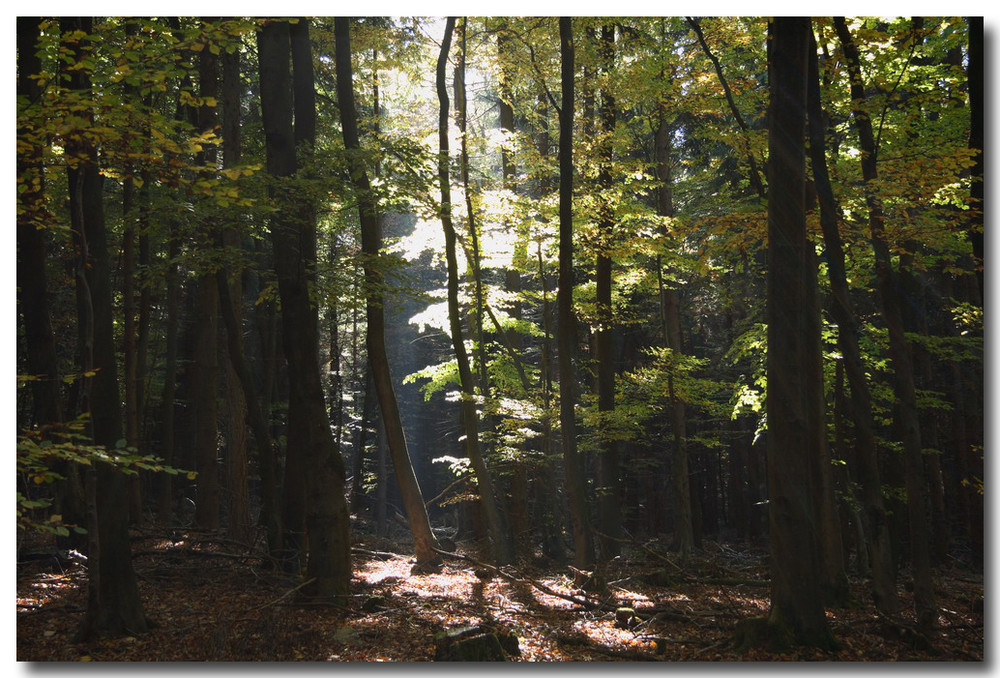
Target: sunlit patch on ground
<point x="605" y="632"/>
<point x="45" y="589"/>
<point x="375" y="571"/>
<point x="452" y="583"/>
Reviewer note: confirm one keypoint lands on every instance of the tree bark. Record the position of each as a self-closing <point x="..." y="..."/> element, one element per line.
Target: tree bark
<point x="907" y="416"/>
<point x="566" y="332"/>
<point x="977" y="126"/>
<point x="32" y="279"/>
<point x="609" y="466"/>
<point x="470" y="417"/>
<point x="293" y="234"/>
<point x="371" y="245"/>
<point x="113" y="603"/>
<point x="231" y="302"/>
<point x="876" y="525"/>
<point x="671" y="322"/>
<point x="795" y="434"/>
<point x="206" y="397"/>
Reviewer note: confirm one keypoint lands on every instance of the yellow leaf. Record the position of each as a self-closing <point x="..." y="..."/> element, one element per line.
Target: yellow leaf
<point x="191" y="475"/>
<point x="86" y="658"/>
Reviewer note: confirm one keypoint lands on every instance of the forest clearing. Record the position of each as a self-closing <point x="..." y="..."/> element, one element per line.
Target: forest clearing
<point x="500" y="339"/>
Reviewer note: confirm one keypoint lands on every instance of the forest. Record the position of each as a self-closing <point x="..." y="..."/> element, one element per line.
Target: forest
<point x="500" y="339"/>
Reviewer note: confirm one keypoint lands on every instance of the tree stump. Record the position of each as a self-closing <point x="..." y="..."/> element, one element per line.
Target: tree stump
<point x="475" y="644"/>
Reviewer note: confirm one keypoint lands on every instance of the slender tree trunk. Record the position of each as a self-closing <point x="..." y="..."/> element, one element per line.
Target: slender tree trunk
<point x="566" y="334"/>
<point x="609" y="505"/>
<point x="479" y="357"/>
<point x="231" y="302"/>
<point x="172" y="321"/>
<point x="265" y="324"/>
<point x="795" y="433"/>
<point x="977" y="127"/>
<point x="520" y="518"/>
<point x="671" y="322"/>
<point x="206" y="397"/>
<point x="907" y="416"/>
<point x="358" y="467"/>
<point x="336" y="385"/>
<point x="371" y="244"/>
<point x="470" y="417"/>
<point x="876" y="525"/>
<point x="130" y="337"/>
<point x="113" y="603"/>
<point x="754" y="173"/>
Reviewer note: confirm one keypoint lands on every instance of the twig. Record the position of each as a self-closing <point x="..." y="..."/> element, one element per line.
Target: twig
<point x="283" y="595"/>
<point x="197" y="552"/>
<point x="632" y="540"/>
<point x="381" y="555"/>
<point x="582" y="602"/>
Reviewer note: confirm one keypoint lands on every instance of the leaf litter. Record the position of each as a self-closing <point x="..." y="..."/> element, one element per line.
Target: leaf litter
<point x="209" y="601"/>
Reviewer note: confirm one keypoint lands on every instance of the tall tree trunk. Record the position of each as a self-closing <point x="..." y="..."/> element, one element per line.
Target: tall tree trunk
<point x="371" y="245"/>
<point x="358" y="499"/>
<point x="231" y="302"/>
<point x="470" y="417"/>
<point x="977" y="127"/>
<point x="130" y="339"/>
<point x="671" y="322"/>
<point x="907" y="416"/>
<point x="566" y="333"/>
<point x="520" y="519"/>
<point x="336" y="386"/>
<point x="206" y="398"/>
<point x="32" y="279"/>
<point x="609" y="507"/>
<point x="876" y="525"/>
<point x="113" y="603"/>
<point x="479" y="357"/>
<point x="172" y="303"/>
<point x="795" y="433"/>
<point x="206" y="403"/>
<point x="168" y="394"/>
<point x="293" y="236"/>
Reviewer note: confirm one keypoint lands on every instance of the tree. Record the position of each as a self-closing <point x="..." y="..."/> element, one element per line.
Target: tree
<point x="907" y="417"/>
<point x="671" y="328"/>
<point x="876" y="525"/>
<point x="566" y="332"/>
<point x="293" y="234"/>
<point x="371" y="244"/>
<point x="470" y="418"/>
<point x="609" y="471"/>
<point x="32" y="280"/>
<point x="794" y="425"/>
<point x="231" y="307"/>
<point x="113" y="603"/>
<point x="976" y="136"/>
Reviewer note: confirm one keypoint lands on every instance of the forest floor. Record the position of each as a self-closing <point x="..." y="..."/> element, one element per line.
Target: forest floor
<point x="210" y="600"/>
